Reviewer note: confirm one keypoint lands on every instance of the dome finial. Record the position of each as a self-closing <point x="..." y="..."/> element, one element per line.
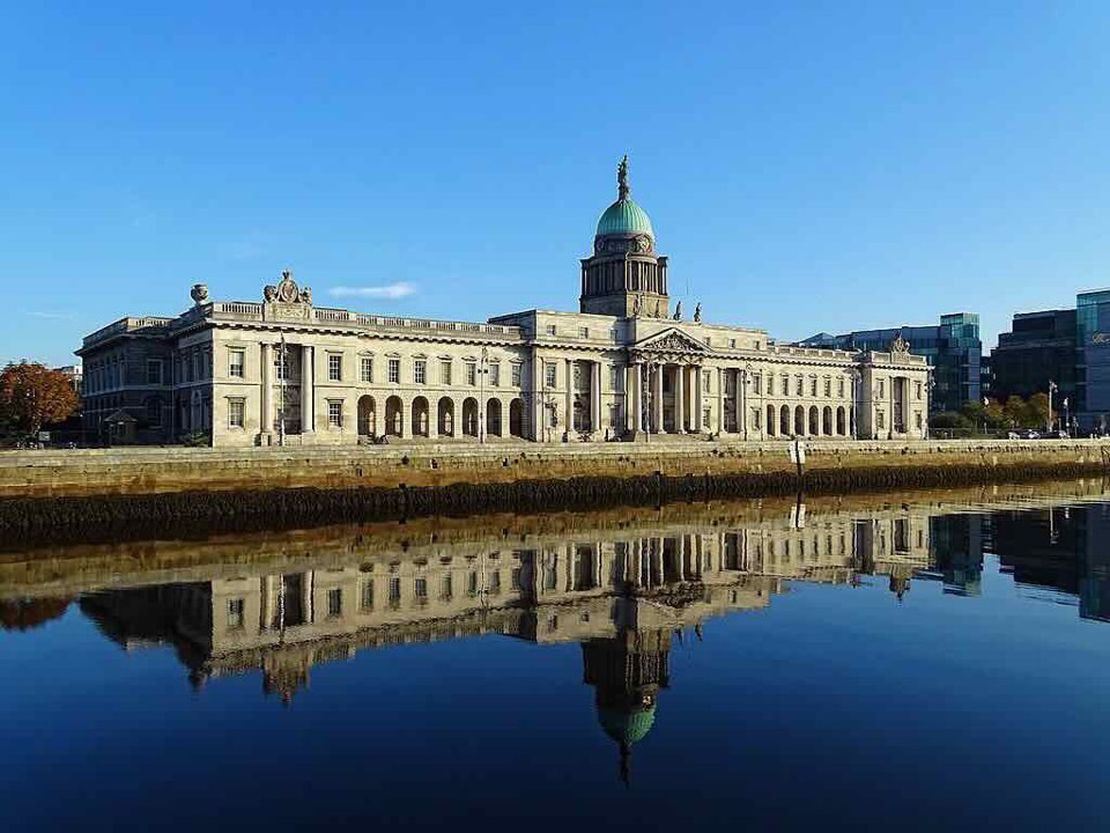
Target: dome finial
<point x="622" y="178"/>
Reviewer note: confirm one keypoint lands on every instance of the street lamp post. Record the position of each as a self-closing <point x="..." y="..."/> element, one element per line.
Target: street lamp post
<point x="1052" y="388"/>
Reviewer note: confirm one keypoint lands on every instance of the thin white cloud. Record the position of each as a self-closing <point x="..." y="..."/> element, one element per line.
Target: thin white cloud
<point x="52" y="316"/>
<point x="390" y="291"/>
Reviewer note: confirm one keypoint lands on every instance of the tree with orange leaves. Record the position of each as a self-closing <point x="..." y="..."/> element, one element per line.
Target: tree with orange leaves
<point x="31" y="395"/>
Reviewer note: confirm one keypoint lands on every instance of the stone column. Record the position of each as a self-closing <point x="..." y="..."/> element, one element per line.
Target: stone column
<point x="679" y="399"/>
<point x="595" y="397"/>
<point x="536" y="380"/>
<point x="741" y="401"/>
<point x="657" y="402"/>
<point x="568" y="403"/>
<point x="266" y="370"/>
<point x="406" y="418"/>
<point x="308" y="389"/>
<point x="695" y="422"/>
<point x="633" y="402"/>
<point x="720" y="427"/>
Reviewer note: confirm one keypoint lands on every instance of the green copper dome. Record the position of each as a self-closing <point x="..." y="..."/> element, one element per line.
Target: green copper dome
<point x="625" y="217"/>
<point x="626" y="729"/>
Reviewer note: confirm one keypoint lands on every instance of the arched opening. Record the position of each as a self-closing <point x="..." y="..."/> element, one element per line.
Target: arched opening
<point x="516" y="418"/>
<point x="420" y="417"/>
<point x="367" y="417"/>
<point x="800" y="421"/>
<point x="445" y="417"/>
<point x="814" y="421"/>
<point x="394" y="416"/>
<point x="784" y="420"/>
<point x="493" y="418"/>
<point x="841" y="422"/>
<point x="770" y="420"/>
<point x="826" y="421"/>
<point x="470" y="417"/>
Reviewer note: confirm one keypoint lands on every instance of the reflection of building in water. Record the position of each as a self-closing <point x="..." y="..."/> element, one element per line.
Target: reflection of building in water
<point x="1060" y="548"/>
<point x="957" y="552"/>
<point x="551" y="591"/>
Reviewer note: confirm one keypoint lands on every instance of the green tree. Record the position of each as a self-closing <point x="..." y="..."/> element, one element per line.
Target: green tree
<point x="1038" y="410"/>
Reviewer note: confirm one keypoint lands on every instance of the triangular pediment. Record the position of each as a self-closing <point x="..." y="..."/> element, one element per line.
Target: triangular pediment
<point x="671" y="340"/>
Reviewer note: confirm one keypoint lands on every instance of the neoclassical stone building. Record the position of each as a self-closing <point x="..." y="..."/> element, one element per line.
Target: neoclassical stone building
<point x="626" y="366"/>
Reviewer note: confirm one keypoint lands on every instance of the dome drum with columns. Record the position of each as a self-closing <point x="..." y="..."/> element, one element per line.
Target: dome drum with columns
<point x="284" y="370"/>
<point x="624" y="276"/>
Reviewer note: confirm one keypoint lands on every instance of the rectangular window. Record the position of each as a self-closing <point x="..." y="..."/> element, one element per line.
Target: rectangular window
<point x="446" y="588"/>
<point x="515" y="375"/>
<point x="235" y="613"/>
<point x="917" y="391"/>
<point x="420" y="588"/>
<point x="420" y="371"/>
<point x="785" y="385"/>
<point x="236" y="363"/>
<point x="471" y="373"/>
<point x="495" y="375"/>
<point x="394" y="371"/>
<point x="583" y="332"/>
<point x="367" y="601"/>
<point x="770" y="384"/>
<point x="757" y="384"/>
<point x="799" y="386"/>
<point x="882" y="389"/>
<point x="366" y="369"/>
<point x="154" y="371"/>
<point x="732" y="343"/>
<point x="395" y="590"/>
<point x="917" y="419"/>
<point x="514" y="578"/>
<point x="828" y="387"/>
<point x="445" y="371"/>
<point x="335" y="413"/>
<point x="550" y="329"/>
<point x="757" y="414"/>
<point x="235" y="409"/>
<point x="880" y="419"/>
<point x="335" y="602"/>
<point x="281" y="365"/>
<point x="549" y="375"/>
<point x="813" y="386"/>
<point x="495" y="582"/>
<point x="705" y="381"/>
<point x="335" y="367"/>
<point x="616" y="378"/>
<point x="840" y="387"/>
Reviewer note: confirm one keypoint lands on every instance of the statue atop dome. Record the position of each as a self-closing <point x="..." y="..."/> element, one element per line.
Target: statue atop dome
<point x="622" y="178"/>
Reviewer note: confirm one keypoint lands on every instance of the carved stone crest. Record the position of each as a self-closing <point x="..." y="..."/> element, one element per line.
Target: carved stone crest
<point x="900" y="346"/>
<point x="286" y="291"/>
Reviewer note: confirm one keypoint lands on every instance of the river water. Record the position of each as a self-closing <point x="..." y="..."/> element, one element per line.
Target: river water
<point x="915" y="662"/>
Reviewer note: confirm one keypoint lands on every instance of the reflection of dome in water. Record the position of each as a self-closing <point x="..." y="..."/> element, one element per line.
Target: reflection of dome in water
<point x="624" y="727"/>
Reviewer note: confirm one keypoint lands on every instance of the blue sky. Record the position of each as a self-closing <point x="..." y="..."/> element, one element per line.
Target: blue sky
<point x="807" y="166"/>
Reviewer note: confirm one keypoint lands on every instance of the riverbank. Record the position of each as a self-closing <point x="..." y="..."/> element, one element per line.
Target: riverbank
<point x="158" y="493"/>
<point x="139" y="471"/>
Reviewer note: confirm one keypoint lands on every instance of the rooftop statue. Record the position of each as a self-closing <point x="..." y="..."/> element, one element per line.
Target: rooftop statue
<point x="697" y="313"/>
<point x="622" y="178"/>
<point x="678" y="311"/>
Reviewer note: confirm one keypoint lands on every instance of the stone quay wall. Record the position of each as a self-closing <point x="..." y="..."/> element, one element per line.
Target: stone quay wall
<point x="144" y="471"/>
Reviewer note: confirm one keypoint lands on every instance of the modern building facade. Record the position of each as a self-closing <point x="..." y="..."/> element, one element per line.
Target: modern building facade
<point x="625" y="366"/>
<point x="1040" y="348"/>
<point x="1069" y="348"/>
<point x="952" y="348"/>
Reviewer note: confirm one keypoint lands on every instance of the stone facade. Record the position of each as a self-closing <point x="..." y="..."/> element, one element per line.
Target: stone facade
<point x="285" y="371"/>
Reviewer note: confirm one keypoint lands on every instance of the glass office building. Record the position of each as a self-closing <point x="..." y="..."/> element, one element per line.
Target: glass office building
<point x="952" y="347"/>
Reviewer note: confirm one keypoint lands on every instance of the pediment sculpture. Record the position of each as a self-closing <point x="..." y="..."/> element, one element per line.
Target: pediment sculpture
<point x="900" y="346"/>
<point x="286" y="291"/>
